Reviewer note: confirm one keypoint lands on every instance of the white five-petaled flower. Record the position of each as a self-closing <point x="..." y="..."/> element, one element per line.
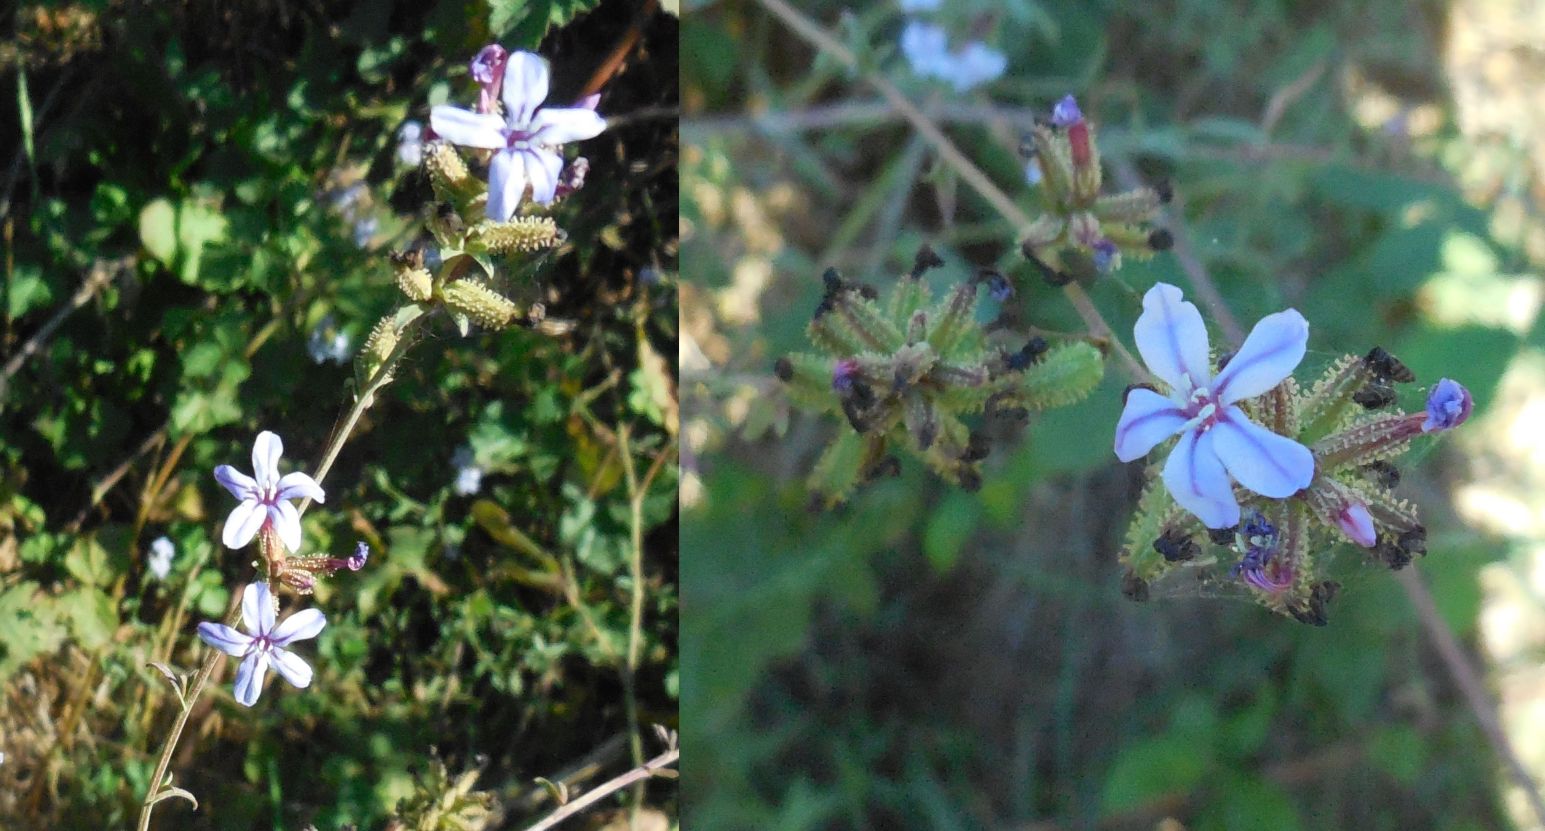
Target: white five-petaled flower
<point x="529" y="137"/>
<point x="263" y="643"/>
<point x="1218" y="442"/>
<point x="265" y="496"/>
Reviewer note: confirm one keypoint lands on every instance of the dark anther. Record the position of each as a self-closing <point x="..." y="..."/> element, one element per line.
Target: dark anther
<point x="855" y="414"/>
<point x="927" y="433"/>
<point x="832" y="278"/>
<point x="866" y="291"/>
<point x="886" y="467"/>
<point x="997" y="285"/>
<point x="1222" y="536"/>
<point x="1375" y="395"/>
<point x="970" y="480"/>
<point x="1176" y="546"/>
<point x="1161" y="240"/>
<point x="1388" y="367"/>
<point x="1133" y="587"/>
<point x="1027" y="146"/>
<point x="822" y="307"/>
<point x="1223" y="360"/>
<point x="412" y="258"/>
<point x="1052" y="276"/>
<point x="1384" y="473"/>
<point x="925" y="259"/>
<point x="1391" y="554"/>
<point x="1130" y="387"/>
<point x="976" y="450"/>
<point x="1166" y="191"/>
<point x="1413" y="541"/>
<point x="1313" y="613"/>
<point x="784" y="369"/>
<point x="1027" y="354"/>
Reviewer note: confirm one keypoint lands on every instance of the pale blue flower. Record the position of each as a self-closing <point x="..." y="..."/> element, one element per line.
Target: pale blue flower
<point x="1448" y="406"/>
<point x="264" y="642"/>
<point x="1219" y="444"/>
<point x="469" y="477"/>
<point x="926" y="48"/>
<point x="529" y="137"/>
<point x="410" y="143"/>
<point x="265" y="496"/>
<point x="160" y="560"/>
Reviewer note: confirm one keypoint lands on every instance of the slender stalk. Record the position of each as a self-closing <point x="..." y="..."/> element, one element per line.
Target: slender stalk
<point x="638" y="774"/>
<point x="963" y="166"/>
<point x="212" y="660"/>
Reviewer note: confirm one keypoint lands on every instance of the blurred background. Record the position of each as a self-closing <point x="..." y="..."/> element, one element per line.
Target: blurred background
<point x="197" y="203"/>
<point x="927" y="658"/>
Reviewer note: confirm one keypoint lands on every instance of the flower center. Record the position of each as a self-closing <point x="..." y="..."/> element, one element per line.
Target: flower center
<point x="520" y="139"/>
<point x="1202" y="410"/>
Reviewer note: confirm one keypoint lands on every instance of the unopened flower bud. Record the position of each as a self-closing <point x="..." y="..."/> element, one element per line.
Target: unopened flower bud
<point x="415" y="283"/>
<point x="1448" y="406"/>
<point x="480" y="303"/>
<point x="520" y="234"/>
<point x="1355" y="521"/>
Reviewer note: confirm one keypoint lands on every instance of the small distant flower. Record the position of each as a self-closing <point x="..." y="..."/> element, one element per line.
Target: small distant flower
<point x="364" y="229"/>
<point x="1106" y="256"/>
<point x="469" y="477"/>
<point x="410" y="143"/>
<point x="328" y="343"/>
<point x="1448" y="406"/>
<point x="1262" y="566"/>
<point x="160" y="560"/>
<point x="263" y="643"/>
<point x="265" y="496"/>
<point x="926" y="48"/>
<point x="1218" y="443"/>
<point x="529" y="137"/>
<point x="843" y="374"/>
<point x="1033" y="174"/>
<point x="573" y="177"/>
<point x="999" y="287"/>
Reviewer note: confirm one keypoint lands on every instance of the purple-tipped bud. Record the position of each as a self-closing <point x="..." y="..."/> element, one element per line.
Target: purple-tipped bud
<point x="1105" y="256"/>
<point x="357" y="560"/>
<point x="488" y="70"/>
<point x="1355" y="521"/>
<point x="1448" y="406"/>
<point x="843" y="375"/>
<point x="1066" y="113"/>
<point x="999" y="287"/>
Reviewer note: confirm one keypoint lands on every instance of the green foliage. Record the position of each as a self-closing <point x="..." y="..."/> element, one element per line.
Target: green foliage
<point x="230" y="179"/>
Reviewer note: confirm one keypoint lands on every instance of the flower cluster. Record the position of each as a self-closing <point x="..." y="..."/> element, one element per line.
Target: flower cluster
<point x="1082" y="233"/>
<point x="904" y="372"/>
<point x="1273" y="474"/>
<point x="478" y="223"/>
<point x="266" y="512"/>
<point x="927" y="50"/>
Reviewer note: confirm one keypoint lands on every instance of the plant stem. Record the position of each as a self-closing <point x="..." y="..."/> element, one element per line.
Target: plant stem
<point x="211" y="661"/>
<point x="963" y="166"/>
<point x="638" y="774"/>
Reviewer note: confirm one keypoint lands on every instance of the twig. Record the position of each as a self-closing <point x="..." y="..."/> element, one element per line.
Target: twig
<point x="951" y="155"/>
<point x="1469" y="683"/>
<point x="639" y="774"/>
<point x="101" y="274"/>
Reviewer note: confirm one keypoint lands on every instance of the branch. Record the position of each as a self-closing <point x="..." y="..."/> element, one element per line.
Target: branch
<point x="651" y="768"/>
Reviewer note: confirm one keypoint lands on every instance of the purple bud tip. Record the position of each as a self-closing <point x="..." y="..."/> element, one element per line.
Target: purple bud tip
<point x="361" y="554"/>
<point x="1448" y="406"/>
<point x="1105" y="254"/>
<point x="1066" y="113"/>
<point x="843" y="375"/>
<point x="488" y="64"/>
<point x="1355" y="521"/>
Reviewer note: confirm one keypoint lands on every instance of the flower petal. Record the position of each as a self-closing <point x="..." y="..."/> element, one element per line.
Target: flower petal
<point x="287" y="522"/>
<point x="554" y="126"/>
<point x="506" y="184"/>
<point x="249" y="678"/>
<point x="467" y="128"/>
<point x="1196" y="478"/>
<point x="1269" y="464"/>
<point x="265" y="459"/>
<point x="294" y="669"/>
<point x="1269" y="354"/>
<point x="1172" y="339"/>
<point x="542" y="168"/>
<point x="243" y="524"/>
<point x="224" y="638"/>
<point x="299" y="485"/>
<point x="257" y="609"/>
<point x="239" y="484"/>
<point x="301" y="626"/>
<point x="1357" y="523"/>
<point x="525" y="87"/>
<point x="1148" y="419"/>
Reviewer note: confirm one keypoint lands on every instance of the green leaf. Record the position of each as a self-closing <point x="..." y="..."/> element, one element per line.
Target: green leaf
<point x="198" y="225"/>
<point x="91" y="616"/>
<point x="158" y="230"/>
<point x="1150" y="768"/>
<point x="1400" y="752"/>
<point x="28" y="291"/>
<point x="950" y="528"/>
